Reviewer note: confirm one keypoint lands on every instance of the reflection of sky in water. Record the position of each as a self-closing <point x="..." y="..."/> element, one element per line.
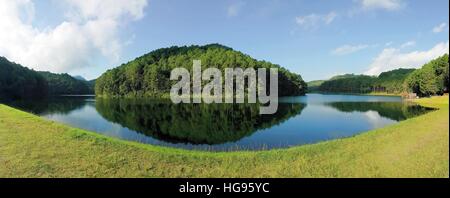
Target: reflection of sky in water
<point x="317" y="122"/>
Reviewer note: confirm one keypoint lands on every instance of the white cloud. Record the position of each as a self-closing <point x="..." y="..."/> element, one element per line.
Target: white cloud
<point x="408" y="44"/>
<point x="235" y="8"/>
<point x="365" y="6"/>
<point x="90" y="29"/>
<point x="107" y="9"/>
<point x="348" y="49"/>
<point x="313" y="20"/>
<point x="441" y="27"/>
<point x="380" y="4"/>
<point x="392" y="58"/>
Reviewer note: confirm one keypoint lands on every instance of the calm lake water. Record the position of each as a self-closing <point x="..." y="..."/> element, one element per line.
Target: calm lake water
<point x="226" y="127"/>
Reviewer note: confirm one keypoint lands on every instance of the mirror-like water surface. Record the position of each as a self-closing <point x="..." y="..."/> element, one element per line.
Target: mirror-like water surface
<point x="225" y="127"/>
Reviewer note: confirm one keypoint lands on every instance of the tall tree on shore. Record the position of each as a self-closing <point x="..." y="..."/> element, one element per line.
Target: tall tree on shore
<point x="431" y="79"/>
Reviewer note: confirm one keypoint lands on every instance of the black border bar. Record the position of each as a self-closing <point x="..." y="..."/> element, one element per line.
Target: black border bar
<point x="275" y="186"/>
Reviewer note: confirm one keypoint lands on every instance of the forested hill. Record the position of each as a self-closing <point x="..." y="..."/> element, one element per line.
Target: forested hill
<point x="17" y="81"/>
<point x="64" y="84"/>
<point x="387" y="82"/>
<point x="431" y="79"/>
<point x="149" y="75"/>
<point x="350" y="83"/>
<point x="314" y="85"/>
<point x="392" y="81"/>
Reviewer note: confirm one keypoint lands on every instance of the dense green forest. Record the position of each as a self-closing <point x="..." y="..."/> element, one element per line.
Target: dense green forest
<point x="431" y="79"/>
<point x="392" y="81"/>
<point x="149" y="75"/>
<point x="387" y="82"/>
<point x="17" y="81"/>
<point x="61" y="84"/>
<point x="350" y="83"/>
<point x="314" y="85"/>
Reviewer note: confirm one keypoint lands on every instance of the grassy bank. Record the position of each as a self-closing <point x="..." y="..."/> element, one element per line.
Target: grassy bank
<point x="31" y="146"/>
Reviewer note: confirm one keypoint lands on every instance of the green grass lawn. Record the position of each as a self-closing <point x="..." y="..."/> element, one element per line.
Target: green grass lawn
<point x="31" y="146"/>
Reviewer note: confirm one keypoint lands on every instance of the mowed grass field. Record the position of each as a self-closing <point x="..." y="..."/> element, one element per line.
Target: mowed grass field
<point x="31" y="146"/>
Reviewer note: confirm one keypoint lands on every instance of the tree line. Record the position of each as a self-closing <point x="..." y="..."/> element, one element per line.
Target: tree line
<point x="431" y="79"/>
<point x="149" y="75"/>
<point x="19" y="82"/>
<point x="65" y="84"/>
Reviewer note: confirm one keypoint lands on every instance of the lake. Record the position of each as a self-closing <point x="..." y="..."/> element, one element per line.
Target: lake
<point x="226" y="127"/>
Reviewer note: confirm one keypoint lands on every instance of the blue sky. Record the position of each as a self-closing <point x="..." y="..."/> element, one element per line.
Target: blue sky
<point x="317" y="39"/>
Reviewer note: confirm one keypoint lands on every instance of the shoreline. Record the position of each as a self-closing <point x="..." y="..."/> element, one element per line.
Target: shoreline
<point x="47" y="141"/>
<point x="358" y="94"/>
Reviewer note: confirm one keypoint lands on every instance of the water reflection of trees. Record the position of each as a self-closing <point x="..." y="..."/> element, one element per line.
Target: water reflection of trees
<point x="52" y="105"/>
<point x="193" y="123"/>
<point x="392" y="110"/>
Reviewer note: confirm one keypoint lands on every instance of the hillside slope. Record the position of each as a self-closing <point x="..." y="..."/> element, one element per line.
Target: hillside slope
<point x="17" y="81"/>
<point x="63" y="84"/>
<point x="149" y="75"/>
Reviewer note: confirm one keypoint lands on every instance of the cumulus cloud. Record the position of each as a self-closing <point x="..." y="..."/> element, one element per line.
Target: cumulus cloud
<point x="380" y="4"/>
<point x="313" y="20"/>
<point x="348" y="49"/>
<point x="393" y="58"/>
<point x="440" y="28"/>
<point x="90" y="28"/>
